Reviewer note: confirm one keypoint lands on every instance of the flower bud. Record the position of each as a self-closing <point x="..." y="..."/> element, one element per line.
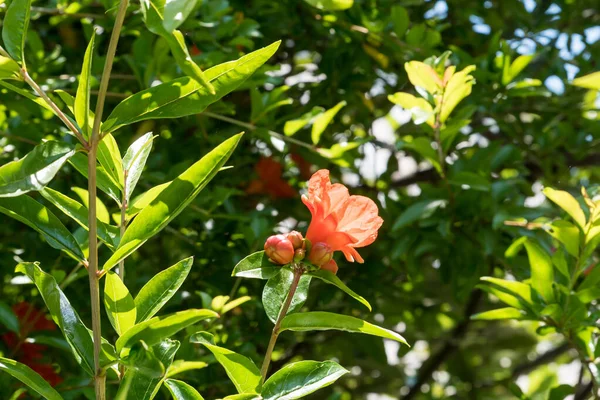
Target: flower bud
<point x="320" y="254"/>
<point x="279" y="249"/>
<point x="296" y="238"/>
<point x="299" y="255"/>
<point x="331" y="266"/>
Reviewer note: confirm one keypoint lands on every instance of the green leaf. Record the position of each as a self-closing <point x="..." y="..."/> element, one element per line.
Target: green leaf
<point x="331" y="5"/>
<point x="423" y="76"/>
<point x="472" y="180"/>
<point x="29" y="377"/>
<point x="422" y="146"/>
<point x="420" y="109"/>
<point x="542" y="271"/>
<point x="500" y="313"/>
<point x="107" y="233"/>
<point x="35" y="170"/>
<point x="180" y="366"/>
<point x="9" y="69"/>
<point x="139" y="385"/>
<point x="142" y="359"/>
<point x="256" y="265"/>
<point x="28" y="95"/>
<point x="244" y="396"/>
<point x="172" y="200"/>
<point x="322" y="321"/>
<point x="176" y="12"/>
<point x="156" y="329"/>
<point x="119" y="304"/>
<point x="109" y="157"/>
<point x="185" y="96"/>
<point x="458" y="87"/>
<point x="38" y="217"/>
<point x="64" y="315"/>
<point x="141" y="201"/>
<point x="182" y="391"/>
<point x="510" y="73"/>
<point x="14" y="31"/>
<point x="135" y="160"/>
<point x="400" y="20"/>
<point x="176" y="42"/>
<point x="101" y="211"/>
<point x="566" y="233"/>
<point x="8" y="318"/>
<point x="296" y="380"/>
<point x="332" y="279"/>
<point x="292" y="126"/>
<point x="516" y="294"/>
<point x="418" y="211"/>
<point x="158" y="290"/>
<point x="103" y="179"/>
<point x="568" y="203"/>
<point x="240" y="369"/>
<point x="590" y="81"/>
<point x="321" y="121"/>
<point x="234" y="304"/>
<point x="588" y="295"/>
<point x="276" y="292"/>
<point x="82" y="97"/>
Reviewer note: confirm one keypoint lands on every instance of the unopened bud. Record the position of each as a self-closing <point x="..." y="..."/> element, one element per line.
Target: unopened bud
<point x="320" y="254"/>
<point x="296" y="238"/>
<point x="299" y="255"/>
<point x="279" y="249"/>
<point x="331" y="266"/>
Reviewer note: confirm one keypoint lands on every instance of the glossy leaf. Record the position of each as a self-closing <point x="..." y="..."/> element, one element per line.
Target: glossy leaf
<point x="500" y="313"/>
<point x="332" y="279"/>
<point x="8" y="318"/>
<point x="109" y="157"/>
<point x="9" y="69"/>
<point x="568" y="203"/>
<point x="29" y="377"/>
<point x="141" y="201"/>
<point x="276" y="292"/>
<point x="516" y="294"/>
<point x="331" y="5"/>
<point x="180" y="366"/>
<point x="78" y="212"/>
<point x="64" y="315"/>
<point x="256" y="265"/>
<point x="542" y="271"/>
<point x="158" y="290"/>
<point x="241" y="370"/>
<point x="321" y="121"/>
<point x="322" y="321"/>
<point x="140" y="385"/>
<point x="177" y="11"/>
<point x="185" y="96"/>
<point x="35" y="170"/>
<point x="299" y="379"/>
<point x="135" y="160"/>
<point x="118" y="303"/>
<point x="103" y="179"/>
<point x="101" y="210"/>
<point x="14" y="30"/>
<point x="172" y="200"/>
<point x="38" y="217"/>
<point x="182" y="391"/>
<point x="141" y="358"/>
<point x="156" y="329"/>
<point x="566" y="233"/>
<point x="82" y="97"/>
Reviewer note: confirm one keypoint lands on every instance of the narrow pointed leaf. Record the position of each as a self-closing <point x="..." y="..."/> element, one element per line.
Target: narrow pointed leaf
<point x="185" y="96"/>
<point x="321" y="122"/>
<point x="568" y="203"/>
<point x="176" y="42"/>
<point x="14" y="31"/>
<point x="103" y="179"/>
<point x="240" y="369"/>
<point x="176" y="12"/>
<point x="299" y="379"/>
<point x="28" y="95"/>
<point x="514" y="294"/>
<point x="78" y="212"/>
<point x="501" y="313"/>
<point x="172" y="200"/>
<point x="322" y="321"/>
<point x="135" y="160"/>
<point x="35" y="170"/>
<point x="156" y="329"/>
<point x="180" y="366"/>
<point x="109" y="157"/>
<point x="276" y="291"/>
<point x="82" y="96"/>
<point x="29" y="377"/>
<point x="158" y="290"/>
<point x="64" y="315"/>
<point x="256" y="265"/>
<point x="542" y="270"/>
<point x="38" y="217"/>
<point x="118" y="303"/>
<point x="182" y="391"/>
<point x="332" y="279"/>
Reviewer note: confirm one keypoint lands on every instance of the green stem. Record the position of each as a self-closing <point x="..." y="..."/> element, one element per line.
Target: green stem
<point x="54" y="107"/>
<point x="288" y="301"/>
<point x="94" y="276"/>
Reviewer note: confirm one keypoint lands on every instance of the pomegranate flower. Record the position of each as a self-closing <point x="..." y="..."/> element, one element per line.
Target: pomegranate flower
<point x="279" y="249"/>
<point x="343" y="222"/>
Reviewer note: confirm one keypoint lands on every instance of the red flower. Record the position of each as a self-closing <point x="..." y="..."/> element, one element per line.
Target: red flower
<point x="342" y="221"/>
<point x="31" y="320"/>
<point x="270" y="182"/>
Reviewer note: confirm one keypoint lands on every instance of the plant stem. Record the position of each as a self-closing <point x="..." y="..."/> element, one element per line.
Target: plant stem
<point x="288" y="301"/>
<point x="54" y="107"/>
<point x="99" y="377"/>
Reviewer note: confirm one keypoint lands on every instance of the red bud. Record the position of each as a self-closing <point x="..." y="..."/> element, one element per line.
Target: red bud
<point x="320" y="254"/>
<point x="279" y="249"/>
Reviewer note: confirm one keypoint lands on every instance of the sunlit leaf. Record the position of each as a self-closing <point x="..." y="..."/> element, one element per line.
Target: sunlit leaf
<point x="14" y="30"/>
<point x="118" y="303"/>
<point x="256" y="265"/>
<point x="82" y="98"/>
<point x="29" y="377"/>
<point x="182" y="391"/>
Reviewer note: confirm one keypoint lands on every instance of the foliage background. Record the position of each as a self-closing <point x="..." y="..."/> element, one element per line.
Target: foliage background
<point x="439" y="237"/>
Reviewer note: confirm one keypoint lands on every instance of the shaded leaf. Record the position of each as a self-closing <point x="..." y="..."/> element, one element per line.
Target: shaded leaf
<point x="29" y="377"/>
<point x="276" y="292"/>
<point x="81" y="107"/>
<point x="14" y="30"/>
